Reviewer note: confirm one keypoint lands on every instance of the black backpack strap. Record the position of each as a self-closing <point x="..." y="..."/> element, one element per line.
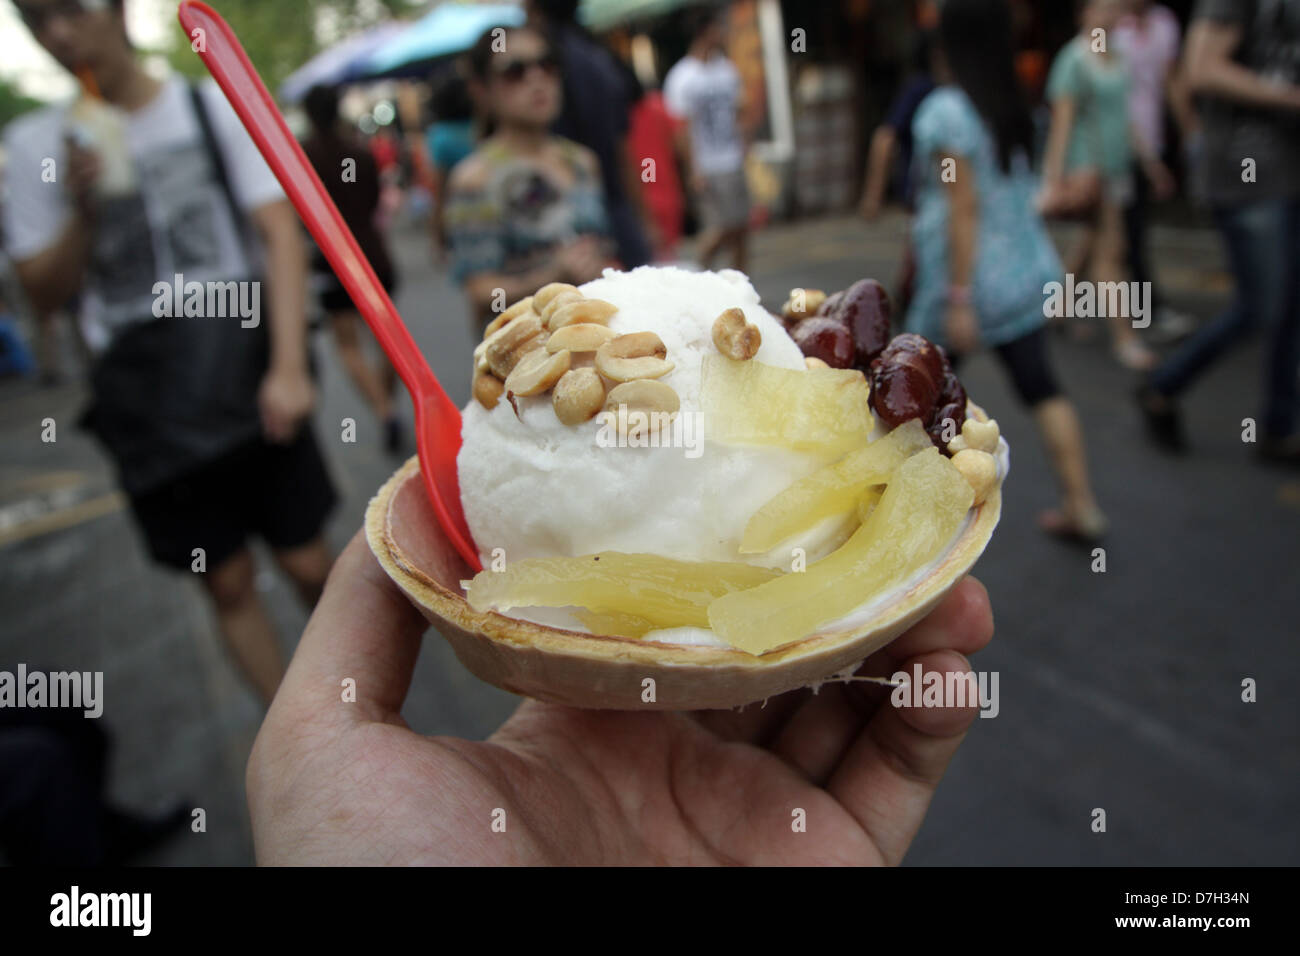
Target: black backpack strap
<point x="217" y="157"/>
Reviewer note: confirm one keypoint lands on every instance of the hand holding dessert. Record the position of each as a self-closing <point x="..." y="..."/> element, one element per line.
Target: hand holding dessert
<point x="552" y="784"/>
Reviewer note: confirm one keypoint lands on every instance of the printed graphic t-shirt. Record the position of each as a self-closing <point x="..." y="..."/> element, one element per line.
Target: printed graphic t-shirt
<point x="178" y="222"/>
<point x="706" y="95"/>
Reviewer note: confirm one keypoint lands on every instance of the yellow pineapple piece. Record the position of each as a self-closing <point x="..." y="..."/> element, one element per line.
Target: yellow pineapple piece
<point x="834" y="490"/>
<point x="660" y="591"/>
<point x="867" y="503"/>
<point x="824" y="411"/>
<point x="613" y="622"/>
<point x="921" y="509"/>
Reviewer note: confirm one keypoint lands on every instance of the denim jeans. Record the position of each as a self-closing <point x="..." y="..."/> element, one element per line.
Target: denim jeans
<point x="1263" y="244"/>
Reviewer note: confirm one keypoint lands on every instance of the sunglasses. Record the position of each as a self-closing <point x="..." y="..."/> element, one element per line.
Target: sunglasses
<point x="514" y="71"/>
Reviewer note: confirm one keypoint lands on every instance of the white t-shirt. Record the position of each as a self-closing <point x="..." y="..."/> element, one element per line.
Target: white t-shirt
<point x="179" y="220"/>
<point x="1151" y="54"/>
<point x="706" y="95"/>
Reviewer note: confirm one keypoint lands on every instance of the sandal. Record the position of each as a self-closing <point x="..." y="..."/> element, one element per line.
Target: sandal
<point x="1089" y="528"/>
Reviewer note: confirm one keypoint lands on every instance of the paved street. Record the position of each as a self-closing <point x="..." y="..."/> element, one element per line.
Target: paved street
<point x="1118" y="690"/>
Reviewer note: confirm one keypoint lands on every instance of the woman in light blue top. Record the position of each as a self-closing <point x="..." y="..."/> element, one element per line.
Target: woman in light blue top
<point x="984" y="259"/>
<point x="1090" y="149"/>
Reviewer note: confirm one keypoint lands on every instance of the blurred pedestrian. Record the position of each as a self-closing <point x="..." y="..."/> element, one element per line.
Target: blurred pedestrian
<point x="983" y="254"/>
<point x="1243" y="62"/>
<point x="1090" y="150"/>
<point x="891" y="149"/>
<point x="159" y="190"/>
<point x="703" y="91"/>
<point x="1149" y="37"/>
<point x="594" y="112"/>
<point x="651" y="136"/>
<point x="450" y="138"/>
<point x="54" y="803"/>
<point x="351" y="177"/>
<point x="526" y="207"/>
<point x="891" y="143"/>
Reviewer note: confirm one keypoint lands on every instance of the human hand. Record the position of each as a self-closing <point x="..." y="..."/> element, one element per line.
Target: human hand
<point x="582" y="259"/>
<point x="285" y="398"/>
<point x="961" y="328"/>
<point x="1161" y="179"/>
<point x="331" y="782"/>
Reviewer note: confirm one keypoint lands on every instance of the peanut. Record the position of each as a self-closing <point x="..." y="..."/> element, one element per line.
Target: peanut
<point x="511" y="342"/>
<point x="647" y="404"/>
<point x="735" y="337"/>
<point x="487" y="390"/>
<point x="980" y="469"/>
<point x="579" y="337"/>
<point x="634" y="356"/>
<point x="578" y="395"/>
<point x="537" y="371"/>
<point x="595" y="311"/>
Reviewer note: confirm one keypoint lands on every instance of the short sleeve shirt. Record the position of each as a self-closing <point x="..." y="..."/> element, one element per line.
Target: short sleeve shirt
<point x="1150" y="46"/>
<point x="706" y="96"/>
<point x="515" y="220"/>
<point x="176" y="220"/>
<point x="1014" y="256"/>
<point x="1099" y="88"/>
<point x="1250" y="153"/>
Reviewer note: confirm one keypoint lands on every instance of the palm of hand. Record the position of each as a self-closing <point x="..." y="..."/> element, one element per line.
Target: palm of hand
<point x="829" y="778"/>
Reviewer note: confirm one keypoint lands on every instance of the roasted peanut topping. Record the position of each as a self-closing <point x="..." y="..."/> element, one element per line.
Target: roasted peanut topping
<point x="634" y="356"/>
<point x="735" y="337"/>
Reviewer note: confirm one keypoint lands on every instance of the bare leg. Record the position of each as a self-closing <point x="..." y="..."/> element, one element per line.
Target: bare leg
<point x="245" y="626"/>
<point x="740" y="249"/>
<point x="368" y="382"/>
<point x="308" y="567"/>
<point x="1109" y="266"/>
<point x="1059" y="426"/>
<point x="710" y="243"/>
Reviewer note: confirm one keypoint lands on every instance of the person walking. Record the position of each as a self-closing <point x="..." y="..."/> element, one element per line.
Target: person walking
<point x="1090" y="149"/>
<point x="1243" y="63"/>
<point x="158" y="190"/>
<point x="595" y="112"/>
<point x="1149" y="38"/>
<point x="983" y="254"/>
<point x="703" y="91"/>
<point x="351" y="177"/>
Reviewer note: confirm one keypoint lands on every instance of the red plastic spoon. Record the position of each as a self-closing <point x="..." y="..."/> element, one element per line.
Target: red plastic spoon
<point x="437" y="419"/>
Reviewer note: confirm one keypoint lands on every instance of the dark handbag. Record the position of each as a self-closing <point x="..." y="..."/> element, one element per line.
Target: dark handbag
<point x="173" y="394"/>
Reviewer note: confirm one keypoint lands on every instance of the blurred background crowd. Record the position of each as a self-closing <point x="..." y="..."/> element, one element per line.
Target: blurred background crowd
<point x="965" y="152"/>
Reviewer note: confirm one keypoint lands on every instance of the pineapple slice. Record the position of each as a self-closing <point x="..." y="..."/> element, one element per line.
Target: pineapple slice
<point x="617" y="587"/>
<point x="824" y="411"/>
<point x="924" y="503"/>
<point x="835" y="490"/>
<point x="614" y="622"/>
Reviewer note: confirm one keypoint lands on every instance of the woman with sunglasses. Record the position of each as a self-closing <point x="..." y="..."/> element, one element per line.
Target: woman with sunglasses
<point x="526" y="207"/>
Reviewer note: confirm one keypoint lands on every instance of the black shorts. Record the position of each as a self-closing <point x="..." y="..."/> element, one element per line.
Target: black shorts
<point x="335" y="299"/>
<point x="1028" y="367"/>
<point x="280" y="493"/>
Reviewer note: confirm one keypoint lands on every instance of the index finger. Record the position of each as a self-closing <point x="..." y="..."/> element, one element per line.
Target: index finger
<point x="364" y="630"/>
